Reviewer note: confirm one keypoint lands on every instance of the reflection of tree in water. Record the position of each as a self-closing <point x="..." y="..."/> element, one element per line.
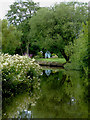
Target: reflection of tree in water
<point x="63" y="96"/>
<point x="17" y="106"/>
<point x="60" y="95"/>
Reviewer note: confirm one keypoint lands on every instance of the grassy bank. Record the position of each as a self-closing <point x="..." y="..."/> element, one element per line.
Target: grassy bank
<point x="57" y="60"/>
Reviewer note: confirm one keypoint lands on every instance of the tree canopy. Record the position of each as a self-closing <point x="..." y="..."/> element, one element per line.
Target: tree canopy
<point x="79" y="50"/>
<point x="21" y="10"/>
<point x="55" y="27"/>
<point x="19" y="14"/>
<point x="50" y="28"/>
<point x="11" y="38"/>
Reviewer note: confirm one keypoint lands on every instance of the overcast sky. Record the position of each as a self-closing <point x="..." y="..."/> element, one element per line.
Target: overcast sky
<point x="4" y="4"/>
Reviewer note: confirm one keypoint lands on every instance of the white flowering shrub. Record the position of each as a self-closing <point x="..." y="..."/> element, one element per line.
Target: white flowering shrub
<point x="17" y="70"/>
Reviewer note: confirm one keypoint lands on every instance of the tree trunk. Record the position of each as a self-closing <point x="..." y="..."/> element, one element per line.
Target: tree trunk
<point x="27" y="48"/>
<point x="21" y="51"/>
<point x="64" y="55"/>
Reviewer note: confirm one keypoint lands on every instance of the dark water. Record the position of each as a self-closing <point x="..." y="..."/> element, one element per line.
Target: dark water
<point x="60" y="94"/>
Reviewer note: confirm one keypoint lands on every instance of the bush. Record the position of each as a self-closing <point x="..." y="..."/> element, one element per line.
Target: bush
<point x="18" y="70"/>
<point x="54" y="55"/>
<point x="39" y="55"/>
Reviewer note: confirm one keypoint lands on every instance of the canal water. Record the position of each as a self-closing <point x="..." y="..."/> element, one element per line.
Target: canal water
<point x="60" y="94"/>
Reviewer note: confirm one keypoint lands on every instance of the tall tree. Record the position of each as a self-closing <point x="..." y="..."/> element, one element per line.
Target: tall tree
<point x="79" y="50"/>
<point x="56" y="27"/>
<point x="11" y="38"/>
<point x="19" y="14"/>
<point x="21" y="10"/>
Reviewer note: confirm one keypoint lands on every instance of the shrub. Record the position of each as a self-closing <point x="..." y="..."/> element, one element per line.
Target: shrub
<point x="39" y="55"/>
<point x="17" y="70"/>
<point x="54" y="55"/>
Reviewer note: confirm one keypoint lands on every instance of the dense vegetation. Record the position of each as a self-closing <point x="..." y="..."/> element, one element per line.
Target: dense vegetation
<point x="27" y="33"/>
<point x="18" y="71"/>
<point x="11" y="38"/>
<point x="78" y="51"/>
<point x="55" y="27"/>
<point x="61" y="29"/>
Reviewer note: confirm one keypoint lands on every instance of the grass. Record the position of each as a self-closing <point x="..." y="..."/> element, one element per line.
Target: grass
<point x="58" y="60"/>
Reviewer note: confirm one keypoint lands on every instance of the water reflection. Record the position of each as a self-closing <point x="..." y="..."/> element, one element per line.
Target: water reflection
<point x="63" y="94"/>
<point x="47" y="72"/>
<point x="24" y="114"/>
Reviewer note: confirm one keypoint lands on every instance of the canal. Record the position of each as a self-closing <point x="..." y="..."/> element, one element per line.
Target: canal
<point x="59" y="94"/>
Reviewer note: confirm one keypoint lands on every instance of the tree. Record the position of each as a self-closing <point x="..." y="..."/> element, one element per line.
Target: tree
<point x="25" y="28"/>
<point x="11" y="38"/>
<point x="79" y="54"/>
<point x="19" y="14"/>
<point x="56" y="27"/>
<point x="21" y="10"/>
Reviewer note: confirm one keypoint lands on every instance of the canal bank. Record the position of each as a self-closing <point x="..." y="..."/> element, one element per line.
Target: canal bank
<point x="52" y="62"/>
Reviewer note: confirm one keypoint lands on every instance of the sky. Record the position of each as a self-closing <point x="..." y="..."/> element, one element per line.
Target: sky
<point x="4" y="4"/>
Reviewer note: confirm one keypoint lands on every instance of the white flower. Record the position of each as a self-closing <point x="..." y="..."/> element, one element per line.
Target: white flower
<point x="4" y="79"/>
<point x="33" y="59"/>
<point x="5" y="63"/>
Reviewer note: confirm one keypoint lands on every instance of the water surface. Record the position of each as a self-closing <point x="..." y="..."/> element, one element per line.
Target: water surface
<point x="61" y="94"/>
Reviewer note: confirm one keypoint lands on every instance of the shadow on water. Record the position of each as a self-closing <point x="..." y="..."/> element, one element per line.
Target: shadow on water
<point x="62" y="94"/>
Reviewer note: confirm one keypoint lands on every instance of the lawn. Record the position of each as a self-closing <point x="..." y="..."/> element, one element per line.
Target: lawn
<point x="58" y="60"/>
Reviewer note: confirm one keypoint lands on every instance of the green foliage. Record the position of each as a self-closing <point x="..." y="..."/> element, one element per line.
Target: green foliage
<point x="19" y="14"/>
<point x="69" y="49"/>
<point x="34" y="49"/>
<point x="53" y="54"/>
<point x="21" y="10"/>
<point x="24" y="27"/>
<point x="79" y="50"/>
<point x="18" y="70"/>
<point x="39" y="55"/>
<point x="49" y="28"/>
<point x="55" y="27"/>
<point x="11" y="38"/>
